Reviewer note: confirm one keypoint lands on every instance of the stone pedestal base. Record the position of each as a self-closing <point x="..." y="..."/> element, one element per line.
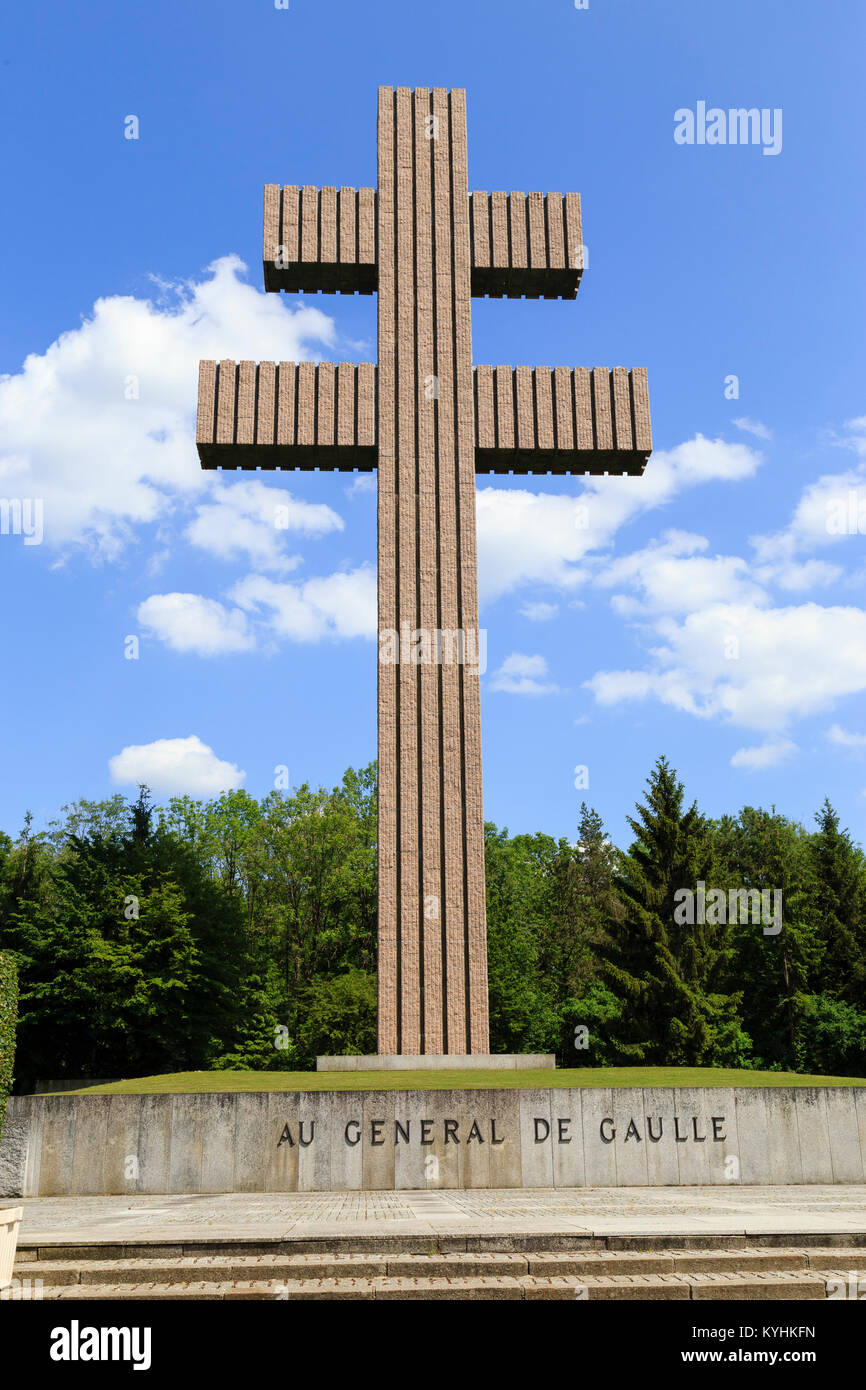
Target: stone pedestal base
<point x="502" y="1061"/>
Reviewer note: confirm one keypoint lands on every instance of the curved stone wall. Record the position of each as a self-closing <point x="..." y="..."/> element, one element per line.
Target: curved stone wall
<point x="386" y="1140"/>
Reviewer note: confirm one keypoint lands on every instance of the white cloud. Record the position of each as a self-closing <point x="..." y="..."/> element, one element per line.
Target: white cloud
<point x="830" y="510"/>
<point x="768" y="754"/>
<point x="755" y="427"/>
<point x="337" y="605"/>
<point x="248" y="519"/>
<point x="675" y="579"/>
<point x="540" y="538"/>
<point x="526" y="537"/>
<point x="756" y="667"/>
<point x="361" y="483"/>
<point x="539" y="612"/>
<point x="855" y="438"/>
<point x="844" y="738"/>
<point x="190" y="623"/>
<point x="174" y="767"/>
<point x="100" y="425"/>
<point x="521" y="674"/>
<point x="799" y="577"/>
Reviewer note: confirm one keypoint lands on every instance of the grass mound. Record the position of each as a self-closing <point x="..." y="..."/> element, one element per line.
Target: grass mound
<point x="187" y="1082"/>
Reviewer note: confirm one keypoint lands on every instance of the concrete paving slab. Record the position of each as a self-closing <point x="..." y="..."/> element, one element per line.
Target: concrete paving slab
<point x="578" y="1213"/>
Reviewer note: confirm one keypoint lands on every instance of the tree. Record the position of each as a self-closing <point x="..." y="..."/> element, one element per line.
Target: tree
<point x="131" y="957"/>
<point x="522" y="1011"/>
<point x="832" y="1037"/>
<point x="762" y="852"/>
<point x="339" y="1017"/>
<point x="666" y="968"/>
<point x="838" y="908"/>
<point x="8" y="1024"/>
<point x="239" y="932"/>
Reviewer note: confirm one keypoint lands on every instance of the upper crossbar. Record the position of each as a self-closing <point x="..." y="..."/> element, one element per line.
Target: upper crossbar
<point x="325" y="239"/>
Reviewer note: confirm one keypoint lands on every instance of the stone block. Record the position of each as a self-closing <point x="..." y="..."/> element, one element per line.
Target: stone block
<point x="281" y="1170"/>
<point x="13" y="1152"/>
<point x="662" y="1159"/>
<point x="598" y="1149"/>
<point x="752" y="1151"/>
<point x="218" y="1136"/>
<point x="504" y="1116"/>
<point x="846" y="1156"/>
<point x="91" y="1139"/>
<point x="536" y="1145"/>
<point x="36" y="1118"/>
<point x="630" y="1145"/>
<point x="123" y="1167"/>
<point x="186" y="1142"/>
<point x="441" y="1140"/>
<point x="813" y="1132"/>
<point x="463" y="1061"/>
<point x="473" y="1112"/>
<point x="347" y="1128"/>
<point x="250" y="1163"/>
<point x="690" y="1137"/>
<point x="750" y="1287"/>
<point x="783" y="1137"/>
<point x="377" y="1139"/>
<point x="58" y="1145"/>
<point x="566" y="1131"/>
<point x="722" y="1118"/>
<point x="860" y="1105"/>
<point x="315" y="1138"/>
<point x="154" y="1143"/>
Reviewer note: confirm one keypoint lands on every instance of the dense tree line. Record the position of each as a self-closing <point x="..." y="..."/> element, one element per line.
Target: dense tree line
<point x="238" y="933"/>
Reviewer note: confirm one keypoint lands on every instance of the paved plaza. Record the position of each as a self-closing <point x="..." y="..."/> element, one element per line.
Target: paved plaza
<point x="694" y="1211"/>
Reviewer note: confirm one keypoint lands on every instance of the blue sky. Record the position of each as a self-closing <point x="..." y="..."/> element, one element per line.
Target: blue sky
<point x="713" y="610"/>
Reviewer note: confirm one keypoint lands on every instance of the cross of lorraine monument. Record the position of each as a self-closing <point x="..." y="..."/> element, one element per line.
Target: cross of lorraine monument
<point x="428" y="420"/>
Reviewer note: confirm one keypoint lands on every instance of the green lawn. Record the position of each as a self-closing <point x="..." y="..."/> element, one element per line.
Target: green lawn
<point x="187" y="1081"/>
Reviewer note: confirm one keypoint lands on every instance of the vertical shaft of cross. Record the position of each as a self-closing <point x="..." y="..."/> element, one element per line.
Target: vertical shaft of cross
<point x="432" y="929"/>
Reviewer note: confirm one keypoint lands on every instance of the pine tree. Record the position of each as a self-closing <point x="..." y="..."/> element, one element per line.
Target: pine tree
<point x="582" y="902"/>
<point x="666" y="969"/>
<point x="132" y="957"/>
<point x="838" y="904"/>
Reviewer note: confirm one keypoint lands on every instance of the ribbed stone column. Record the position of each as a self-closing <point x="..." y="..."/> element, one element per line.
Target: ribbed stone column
<point x="426" y="244"/>
<point x="432" y="932"/>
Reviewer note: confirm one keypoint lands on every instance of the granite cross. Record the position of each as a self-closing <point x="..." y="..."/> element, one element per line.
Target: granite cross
<point x="428" y="421"/>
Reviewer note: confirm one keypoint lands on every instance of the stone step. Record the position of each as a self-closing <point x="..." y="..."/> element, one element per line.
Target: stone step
<point x="220" y="1269"/>
<point x="794" y="1284"/>
<point x="385" y="1245"/>
<point x="754" y="1272"/>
